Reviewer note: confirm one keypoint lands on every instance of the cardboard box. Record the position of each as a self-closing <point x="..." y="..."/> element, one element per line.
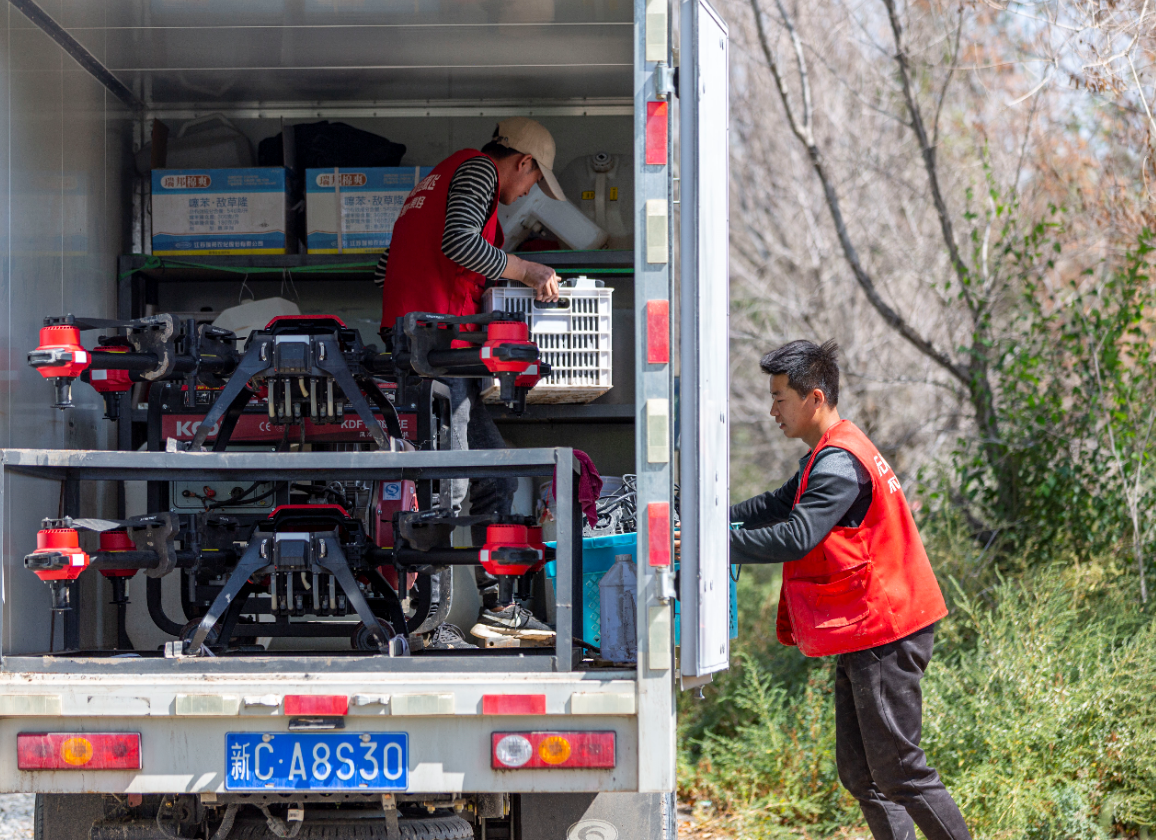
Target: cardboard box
<point x="219" y="211"/>
<point x="370" y="199"/>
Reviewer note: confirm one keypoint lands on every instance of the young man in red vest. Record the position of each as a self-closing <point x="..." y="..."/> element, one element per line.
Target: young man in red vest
<point x="446" y="246"/>
<point x="856" y="585"/>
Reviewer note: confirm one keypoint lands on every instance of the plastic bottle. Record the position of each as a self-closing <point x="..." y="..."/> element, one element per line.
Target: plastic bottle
<point x="618" y="597"/>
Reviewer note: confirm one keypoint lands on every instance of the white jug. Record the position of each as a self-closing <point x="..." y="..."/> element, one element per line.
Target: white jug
<point x="618" y="596"/>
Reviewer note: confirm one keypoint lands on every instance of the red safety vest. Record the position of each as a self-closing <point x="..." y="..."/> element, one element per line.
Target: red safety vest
<point x="860" y="587"/>
<point x="418" y="276"/>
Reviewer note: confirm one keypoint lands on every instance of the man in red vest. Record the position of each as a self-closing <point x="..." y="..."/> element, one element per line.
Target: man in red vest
<point x="857" y="585"/>
<point x="445" y="248"/>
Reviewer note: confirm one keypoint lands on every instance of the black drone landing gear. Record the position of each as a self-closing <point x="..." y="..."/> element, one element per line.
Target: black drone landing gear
<point x="301" y="360"/>
<point x="294" y="553"/>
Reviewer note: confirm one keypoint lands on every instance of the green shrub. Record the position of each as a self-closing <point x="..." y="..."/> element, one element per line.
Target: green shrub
<point x="1045" y="727"/>
<point x="1039" y="712"/>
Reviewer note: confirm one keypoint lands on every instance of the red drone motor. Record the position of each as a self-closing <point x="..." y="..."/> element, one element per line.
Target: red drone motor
<point x="61" y="358"/>
<point x="58" y="560"/>
<point x="508" y="551"/>
<point x="511" y="356"/>
<point x="516" y="333"/>
<point x="110" y="383"/>
<point x="112" y="542"/>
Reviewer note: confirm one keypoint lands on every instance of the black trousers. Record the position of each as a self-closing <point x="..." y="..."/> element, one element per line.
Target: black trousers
<point x="878" y="726"/>
<point x="472" y="427"/>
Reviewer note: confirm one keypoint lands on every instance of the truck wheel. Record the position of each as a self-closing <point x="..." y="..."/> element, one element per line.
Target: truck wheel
<point x="66" y="816"/>
<point x="412" y="828"/>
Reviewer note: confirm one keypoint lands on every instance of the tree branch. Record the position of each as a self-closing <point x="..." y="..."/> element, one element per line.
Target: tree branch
<point x="927" y="149"/>
<point x="803" y="131"/>
<point x="947" y="81"/>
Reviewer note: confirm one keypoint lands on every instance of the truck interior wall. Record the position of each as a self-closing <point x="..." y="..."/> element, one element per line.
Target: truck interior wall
<point x="63" y="147"/>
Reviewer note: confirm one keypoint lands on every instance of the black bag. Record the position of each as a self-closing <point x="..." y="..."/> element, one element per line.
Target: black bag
<point x="323" y="145"/>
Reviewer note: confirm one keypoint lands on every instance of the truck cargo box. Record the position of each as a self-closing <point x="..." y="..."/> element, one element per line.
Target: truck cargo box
<point x="105" y="710"/>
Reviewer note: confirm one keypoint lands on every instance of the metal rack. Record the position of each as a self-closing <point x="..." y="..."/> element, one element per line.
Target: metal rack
<point x="71" y="467"/>
<point x="137" y="272"/>
<point x="140" y="277"/>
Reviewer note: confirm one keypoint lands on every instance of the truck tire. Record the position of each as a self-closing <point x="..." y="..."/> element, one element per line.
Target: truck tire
<point x="412" y="828"/>
<point x="66" y="816"/>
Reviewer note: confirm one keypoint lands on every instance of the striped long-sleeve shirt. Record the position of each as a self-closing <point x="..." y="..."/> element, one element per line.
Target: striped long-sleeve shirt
<point x="471" y="194"/>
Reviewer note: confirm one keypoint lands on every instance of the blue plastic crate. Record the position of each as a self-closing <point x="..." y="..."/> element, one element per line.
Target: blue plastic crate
<point x="598" y="555"/>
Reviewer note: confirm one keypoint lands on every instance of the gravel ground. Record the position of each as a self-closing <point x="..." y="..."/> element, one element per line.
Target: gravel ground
<point x="16" y="820"/>
<point x="16" y="816"/>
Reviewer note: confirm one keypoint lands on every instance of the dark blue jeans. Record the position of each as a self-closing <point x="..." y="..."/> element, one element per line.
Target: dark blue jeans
<point x="878" y="726"/>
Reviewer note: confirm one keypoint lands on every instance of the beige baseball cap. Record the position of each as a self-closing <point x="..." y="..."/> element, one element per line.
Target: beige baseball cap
<point x="531" y="138"/>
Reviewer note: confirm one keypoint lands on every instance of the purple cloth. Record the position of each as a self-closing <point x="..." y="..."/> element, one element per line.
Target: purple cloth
<point x="589" y="487"/>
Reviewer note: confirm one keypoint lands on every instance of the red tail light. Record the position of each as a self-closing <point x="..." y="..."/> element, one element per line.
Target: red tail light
<point x="78" y="751"/>
<point x="545" y="750"/>
<point x="316" y="704"/>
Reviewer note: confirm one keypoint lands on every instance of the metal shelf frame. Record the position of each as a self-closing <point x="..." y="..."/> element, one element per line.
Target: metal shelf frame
<point x="135" y="272"/>
<point x="70" y="467"/>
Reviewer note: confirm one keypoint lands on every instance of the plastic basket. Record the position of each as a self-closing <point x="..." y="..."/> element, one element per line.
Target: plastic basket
<point x="573" y="335"/>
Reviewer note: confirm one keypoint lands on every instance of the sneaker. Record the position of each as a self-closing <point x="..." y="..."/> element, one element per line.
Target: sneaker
<point x="513" y="621"/>
<point x="447" y="637"/>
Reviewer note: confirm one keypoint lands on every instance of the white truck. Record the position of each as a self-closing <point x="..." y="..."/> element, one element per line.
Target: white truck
<point x="105" y="716"/>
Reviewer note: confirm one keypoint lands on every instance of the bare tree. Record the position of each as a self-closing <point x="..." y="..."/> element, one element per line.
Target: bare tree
<point x="1103" y="46"/>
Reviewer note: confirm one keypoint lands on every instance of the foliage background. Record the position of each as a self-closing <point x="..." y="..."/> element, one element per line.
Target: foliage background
<point x="1016" y="244"/>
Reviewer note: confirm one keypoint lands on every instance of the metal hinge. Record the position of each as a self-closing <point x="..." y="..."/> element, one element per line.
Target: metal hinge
<point x="663" y="81"/>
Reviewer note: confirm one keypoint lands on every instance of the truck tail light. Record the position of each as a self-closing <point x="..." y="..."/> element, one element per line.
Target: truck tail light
<point x="317" y="704"/>
<point x="78" y="751"/>
<point x="543" y="750"/>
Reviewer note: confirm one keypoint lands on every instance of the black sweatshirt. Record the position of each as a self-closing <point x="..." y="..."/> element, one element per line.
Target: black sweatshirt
<point x="838" y="494"/>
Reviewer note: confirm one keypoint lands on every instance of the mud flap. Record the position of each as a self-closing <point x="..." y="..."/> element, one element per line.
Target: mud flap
<point x="589" y="816"/>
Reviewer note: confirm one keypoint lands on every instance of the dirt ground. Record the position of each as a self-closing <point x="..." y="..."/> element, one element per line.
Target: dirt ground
<point x="693" y="824"/>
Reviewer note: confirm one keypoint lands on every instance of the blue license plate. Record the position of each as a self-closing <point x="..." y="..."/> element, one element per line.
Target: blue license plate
<point x="258" y="761"/>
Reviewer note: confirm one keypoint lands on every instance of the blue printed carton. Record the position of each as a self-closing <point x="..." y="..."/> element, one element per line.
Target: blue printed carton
<point x="370" y="200"/>
<point x="219" y="211"/>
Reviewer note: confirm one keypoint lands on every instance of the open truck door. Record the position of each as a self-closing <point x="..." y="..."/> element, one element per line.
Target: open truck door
<point x="705" y="354"/>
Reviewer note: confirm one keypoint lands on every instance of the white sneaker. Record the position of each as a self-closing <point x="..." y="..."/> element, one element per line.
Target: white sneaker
<point x="511" y="622"/>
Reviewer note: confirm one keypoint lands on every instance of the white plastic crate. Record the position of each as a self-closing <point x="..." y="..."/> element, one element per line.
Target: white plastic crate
<point x="573" y="335"/>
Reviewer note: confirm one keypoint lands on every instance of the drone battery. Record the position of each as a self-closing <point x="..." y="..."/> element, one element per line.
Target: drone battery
<point x="293" y="355"/>
<point x="292" y="554"/>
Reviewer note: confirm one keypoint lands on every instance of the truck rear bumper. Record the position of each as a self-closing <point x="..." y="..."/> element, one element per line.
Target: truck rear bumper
<point x="449" y="723"/>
